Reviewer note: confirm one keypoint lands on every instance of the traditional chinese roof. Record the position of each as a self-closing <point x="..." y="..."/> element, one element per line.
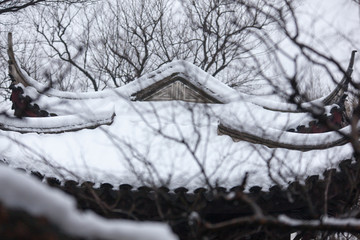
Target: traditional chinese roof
<point x="180" y="141"/>
<point x="135" y="135"/>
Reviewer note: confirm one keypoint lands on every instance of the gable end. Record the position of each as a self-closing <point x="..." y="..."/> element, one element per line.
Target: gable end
<point x="174" y="87"/>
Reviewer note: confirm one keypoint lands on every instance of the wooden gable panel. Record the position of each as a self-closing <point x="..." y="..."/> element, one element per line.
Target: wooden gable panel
<point x="178" y="90"/>
<point x="164" y="94"/>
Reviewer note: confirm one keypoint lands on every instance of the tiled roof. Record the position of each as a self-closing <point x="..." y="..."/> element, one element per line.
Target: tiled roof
<point x="297" y="200"/>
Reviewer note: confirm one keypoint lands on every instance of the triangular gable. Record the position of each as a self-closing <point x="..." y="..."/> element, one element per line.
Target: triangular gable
<point x="174" y="88"/>
<point x="178" y="91"/>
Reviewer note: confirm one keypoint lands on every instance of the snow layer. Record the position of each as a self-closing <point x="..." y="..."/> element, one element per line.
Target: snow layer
<point x="27" y="193"/>
<point x="170" y="143"/>
<point x="58" y="123"/>
<point x="254" y="120"/>
<point x="246" y="114"/>
<point x="285" y="107"/>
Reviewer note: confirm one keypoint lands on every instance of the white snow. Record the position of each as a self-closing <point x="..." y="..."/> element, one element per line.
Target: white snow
<point x="329" y="221"/>
<point x="58" y="123"/>
<point x="246" y="114"/>
<point x="24" y="192"/>
<point x="170" y="143"/>
<point x="284" y="106"/>
<point x="270" y="125"/>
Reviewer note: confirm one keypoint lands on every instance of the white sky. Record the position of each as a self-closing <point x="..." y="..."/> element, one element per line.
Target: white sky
<point x="333" y="28"/>
<point x="324" y="18"/>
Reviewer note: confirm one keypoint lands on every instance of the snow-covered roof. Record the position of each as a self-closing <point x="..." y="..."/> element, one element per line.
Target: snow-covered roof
<point x="175" y="71"/>
<point x="171" y="143"/>
<point x="163" y="143"/>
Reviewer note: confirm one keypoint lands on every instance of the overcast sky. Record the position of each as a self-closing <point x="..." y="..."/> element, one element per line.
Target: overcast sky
<point x="332" y="26"/>
<point x="325" y="18"/>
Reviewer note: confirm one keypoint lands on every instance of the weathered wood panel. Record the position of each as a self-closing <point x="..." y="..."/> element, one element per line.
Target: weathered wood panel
<point x="174" y="87"/>
<point x="177" y="91"/>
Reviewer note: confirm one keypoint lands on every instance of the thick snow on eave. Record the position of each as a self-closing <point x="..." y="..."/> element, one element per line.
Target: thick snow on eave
<point x="79" y="120"/>
<point x="286" y="107"/>
<point x="252" y="119"/>
<point x="242" y="114"/>
<point x="24" y="192"/>
<point x="293" y="138"/>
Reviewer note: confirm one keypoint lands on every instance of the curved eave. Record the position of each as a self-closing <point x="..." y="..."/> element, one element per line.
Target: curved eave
<point x="342" y="86"/>
<point x="14" y="69"/>
<point x="238" y="135"/>
<point x="52" y="125"/>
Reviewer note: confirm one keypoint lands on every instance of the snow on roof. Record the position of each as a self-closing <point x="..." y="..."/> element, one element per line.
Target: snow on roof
<point x="171" y="143"/>
<point x="187" y="72"/>
<point x="58" y="124"/>
<point x="26" y="193"/>
<point x="179" y="68"/>
<point x="249" y="121"/>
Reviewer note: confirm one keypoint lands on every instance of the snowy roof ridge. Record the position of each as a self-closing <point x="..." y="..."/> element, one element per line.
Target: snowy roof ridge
<point x="274" y="138"/>
<point x="186" y="72"/>
<point x="178" y="68"/>
<point x="191" y="73"/>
